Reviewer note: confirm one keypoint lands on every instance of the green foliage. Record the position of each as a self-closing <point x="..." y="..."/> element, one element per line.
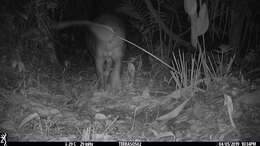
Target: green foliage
<point x="28" y="34"/>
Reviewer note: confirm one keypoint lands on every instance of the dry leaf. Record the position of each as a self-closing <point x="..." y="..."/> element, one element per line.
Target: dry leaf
<point x="100" y="116"/>
<point x="146" y="93"/>
<point x="102" y="137"/>
<point x="228" y="102"/>
<point x="29" y="118"/>
<point x="173" y="113"/>
<point x="175" y="94"/>
<point x="161" y="134"/>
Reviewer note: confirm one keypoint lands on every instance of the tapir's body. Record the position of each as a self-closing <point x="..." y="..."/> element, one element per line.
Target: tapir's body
<point x="109" y="50"/>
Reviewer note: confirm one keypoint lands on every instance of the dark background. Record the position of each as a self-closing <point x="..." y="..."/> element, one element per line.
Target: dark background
<point x="24" y="20"/>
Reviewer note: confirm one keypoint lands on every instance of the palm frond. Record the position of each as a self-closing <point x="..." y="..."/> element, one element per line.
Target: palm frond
<point x="139" y="15"/>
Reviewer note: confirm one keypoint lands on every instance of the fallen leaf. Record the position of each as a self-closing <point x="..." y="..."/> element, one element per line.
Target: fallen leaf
<point x="29" y="118"/>
<point x="100" y="116"/>
<point x="173" y="113"/>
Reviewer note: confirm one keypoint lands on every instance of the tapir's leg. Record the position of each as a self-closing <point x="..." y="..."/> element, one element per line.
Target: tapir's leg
<point x="115" y="76"/>
<point x="107" y="70"/>
<point x="100" y="61"/>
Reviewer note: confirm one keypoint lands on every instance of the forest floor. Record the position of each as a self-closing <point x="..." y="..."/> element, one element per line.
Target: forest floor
<point x="66" y="107"/>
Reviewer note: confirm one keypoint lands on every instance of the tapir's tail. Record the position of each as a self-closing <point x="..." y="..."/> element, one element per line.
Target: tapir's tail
<point x="66" y="24"/>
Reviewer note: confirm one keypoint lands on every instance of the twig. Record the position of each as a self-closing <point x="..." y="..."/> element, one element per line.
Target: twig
<point x="106" y="130"/>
